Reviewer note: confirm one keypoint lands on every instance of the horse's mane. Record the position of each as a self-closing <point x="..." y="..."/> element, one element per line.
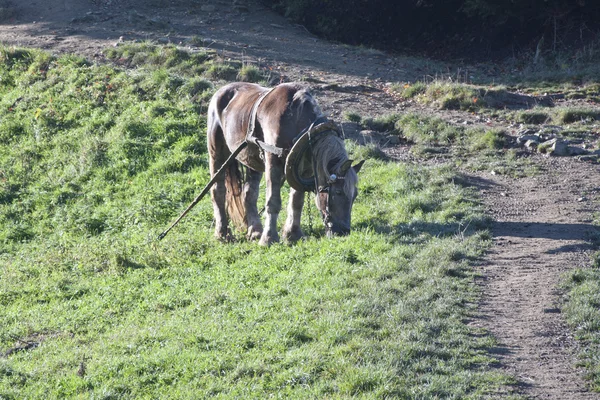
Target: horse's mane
<point x="331" y="148"/>
<point x="303" y="98"/>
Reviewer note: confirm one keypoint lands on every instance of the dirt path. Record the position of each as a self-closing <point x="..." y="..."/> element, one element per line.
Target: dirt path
<point x="541" y="230"/>
<point x="542" y="223"/>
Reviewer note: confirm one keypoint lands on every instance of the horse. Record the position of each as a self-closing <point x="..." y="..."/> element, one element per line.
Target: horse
<point x="268" y="122"/>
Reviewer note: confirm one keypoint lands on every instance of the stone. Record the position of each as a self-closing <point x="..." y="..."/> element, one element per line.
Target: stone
<point x="558" y="147"/>
<point x="393" y="140"/>
<point x="592" y="158"/>
<point x="577" y="151"/>
<point x="532" y="144"/>
<point x="370" y="136"/>
<point x="528" y="138"/>
<point x="527" y="132"/>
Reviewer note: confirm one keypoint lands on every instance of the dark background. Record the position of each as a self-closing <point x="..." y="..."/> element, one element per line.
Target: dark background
<point x="451" y="28"/>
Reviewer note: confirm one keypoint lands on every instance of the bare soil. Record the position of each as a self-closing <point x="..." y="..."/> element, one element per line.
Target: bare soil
<point x="543" y="224"/>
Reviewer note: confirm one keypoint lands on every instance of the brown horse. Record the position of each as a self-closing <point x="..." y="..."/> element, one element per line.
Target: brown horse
<point x="277" y="118"/>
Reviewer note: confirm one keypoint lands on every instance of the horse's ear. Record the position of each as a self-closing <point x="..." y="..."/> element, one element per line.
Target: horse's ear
<point x="345" y="167"/>
<point x="358" y="166"/>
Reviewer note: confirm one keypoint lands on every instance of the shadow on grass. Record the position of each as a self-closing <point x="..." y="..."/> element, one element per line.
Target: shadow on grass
<point x="424" y="230"/>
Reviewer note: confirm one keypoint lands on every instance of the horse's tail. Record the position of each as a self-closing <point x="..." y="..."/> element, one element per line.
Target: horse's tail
<point x="235" y="195"/>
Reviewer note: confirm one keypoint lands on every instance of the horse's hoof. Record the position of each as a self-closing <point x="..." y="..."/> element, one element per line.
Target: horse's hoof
<point x="224" y="237"/>
<point x="293" y="235"/>
<point x="267" y="240"/>
<point x="254" y="233"/>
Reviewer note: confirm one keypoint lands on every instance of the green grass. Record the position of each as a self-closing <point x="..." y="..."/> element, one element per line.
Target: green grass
<point x="534" y="117"/>
<point x="581" y="310"/>
<point x="455" y="96"/>
<point x="95" y="161"/>
<point x="576" y="114"/>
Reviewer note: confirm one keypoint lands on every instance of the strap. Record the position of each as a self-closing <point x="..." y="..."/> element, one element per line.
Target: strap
<point x="252" y="123"/>
<point x="278" y="151"/>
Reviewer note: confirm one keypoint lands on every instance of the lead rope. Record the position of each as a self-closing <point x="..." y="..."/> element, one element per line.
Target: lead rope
<point x="308" y="211"/>
<point x="315" y="173"/>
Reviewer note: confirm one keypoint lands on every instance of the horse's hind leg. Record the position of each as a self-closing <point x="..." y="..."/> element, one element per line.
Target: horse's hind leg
<point x="274" y="178"/>
<point x="218" y="153"/>
<point x="291" y="230"/>
<point x="251" y="191"/>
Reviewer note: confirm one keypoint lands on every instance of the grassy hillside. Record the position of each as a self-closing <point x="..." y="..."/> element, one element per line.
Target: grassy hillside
<point x="95" y="161"/>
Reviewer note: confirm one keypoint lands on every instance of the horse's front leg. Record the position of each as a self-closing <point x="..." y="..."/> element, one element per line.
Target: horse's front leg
<point x="251" y="190"/>
<point x="274" y="180"/>
<point x="291" y="230"/>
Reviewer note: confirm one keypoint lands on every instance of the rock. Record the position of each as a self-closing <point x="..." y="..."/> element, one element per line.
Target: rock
<point x="593" y="158"/>
<point x="527" y="132"/>
<point x="532" y="144"/>
<point x="393" y="140"/>
<point x="577" y="151"/>
<point x="528" y="138"/>
<point x="370" y="136"/>
<point x="554" y="147"/>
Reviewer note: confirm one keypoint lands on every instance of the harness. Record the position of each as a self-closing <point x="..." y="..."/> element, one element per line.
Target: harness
<point x="302" y="146"/>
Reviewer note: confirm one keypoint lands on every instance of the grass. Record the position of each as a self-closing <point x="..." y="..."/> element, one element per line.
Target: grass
<point x="532" y="117"/>
<point x="576" y="114"/>
<point x="96" y="160"/>
<point x="581" y="310"/>
<point x="455" y="96"/>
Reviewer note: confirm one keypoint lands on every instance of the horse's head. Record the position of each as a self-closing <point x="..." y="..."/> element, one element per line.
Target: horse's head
<point x="336" y="196"/>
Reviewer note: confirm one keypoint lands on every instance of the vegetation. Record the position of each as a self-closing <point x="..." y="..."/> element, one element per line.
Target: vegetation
<point x="96" y="160"/>
<point x="583" y="286"/>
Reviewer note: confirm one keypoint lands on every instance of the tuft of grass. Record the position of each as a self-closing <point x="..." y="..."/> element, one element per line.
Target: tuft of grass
<point x="572" y="115"/>
<point x="453" y="96"/>
<point x="384" y="123"/>
<point x="222" y="71"/>
<point x="250" y="73"/>
<point x="367" y="152"/>
<point x="352" y="117"/>
<point x="535" y="117"/>
<point x="427" y="130"/>
<point x="408" y="90"/>
<point x="134" y="54"/>
<point x="490" y="139"/>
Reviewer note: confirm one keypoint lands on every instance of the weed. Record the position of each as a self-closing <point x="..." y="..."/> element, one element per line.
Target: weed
<point x="408" y="91"/>
<point x="384" y="123"/>
<point x="352" y="117"/>
<point x="532" y="117"/>
<point x="250" y="73"/>
<point x="571" y="115"/>
<point x="491" y="139"/>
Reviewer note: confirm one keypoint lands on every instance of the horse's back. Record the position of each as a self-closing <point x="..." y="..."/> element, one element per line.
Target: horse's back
<point x="283" y="113"/>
